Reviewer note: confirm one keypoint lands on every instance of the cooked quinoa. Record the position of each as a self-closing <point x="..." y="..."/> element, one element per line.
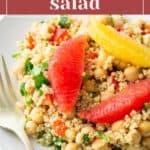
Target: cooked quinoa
<point x="103" y="76"/>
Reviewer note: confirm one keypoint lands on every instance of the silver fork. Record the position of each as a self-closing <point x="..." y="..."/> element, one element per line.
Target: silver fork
<point x="10" y="117"/>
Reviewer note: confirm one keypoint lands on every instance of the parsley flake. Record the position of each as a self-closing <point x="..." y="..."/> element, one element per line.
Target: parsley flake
<point x="23" y="90"/>
<point x="39" y="80"/>
<point x="28" y="66"/>
<point x="86" y="138"/>
<point x="103" y="135"/>
<point x="64" y="22"/>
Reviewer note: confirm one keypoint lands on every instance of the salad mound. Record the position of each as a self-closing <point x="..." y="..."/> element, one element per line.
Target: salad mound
<point x="84" y="82"/>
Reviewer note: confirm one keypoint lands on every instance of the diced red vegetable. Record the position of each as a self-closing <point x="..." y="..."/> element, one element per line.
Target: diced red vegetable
<point x="59" y="35"/>
<point x="147" y="28"/>
<point x="115" y="82"/>
<point x="92" y="54"/>
<point x="120" y="29"/>
<point x="48" y="100"/>
<point x="30" y="41"/>
<point x="59" y="127"/>
<point x="116" y="107"/>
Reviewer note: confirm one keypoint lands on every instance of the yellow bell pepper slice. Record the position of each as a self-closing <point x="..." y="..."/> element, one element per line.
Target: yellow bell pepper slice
<point x="120" y="46"/>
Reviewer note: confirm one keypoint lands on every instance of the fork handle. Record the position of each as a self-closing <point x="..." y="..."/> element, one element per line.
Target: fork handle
<point x="24" y="138"/>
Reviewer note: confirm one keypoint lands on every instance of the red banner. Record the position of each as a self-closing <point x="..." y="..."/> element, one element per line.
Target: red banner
<point x="2" y="6"/>
<point x="146" y="6"/>
<point x="75" y="6"/>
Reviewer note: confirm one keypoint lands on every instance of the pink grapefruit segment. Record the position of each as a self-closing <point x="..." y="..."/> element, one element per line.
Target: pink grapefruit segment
<point x="65" y="72"/>
<point x="116" y="107"/>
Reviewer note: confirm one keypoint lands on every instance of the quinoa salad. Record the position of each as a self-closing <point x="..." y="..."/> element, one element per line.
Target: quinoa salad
<point x="85" y="87"/>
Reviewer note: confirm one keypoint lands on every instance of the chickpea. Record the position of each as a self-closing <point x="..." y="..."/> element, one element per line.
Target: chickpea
<point x="71" y="146"/>
<point x="118" y="125"/>
<point x="37" y="115"/>
<point x="144" y="128"/>
<point x="70" y="134"/>
<point x="146" y="142"/>
<point x="87" y="129"/>
<point x="79" y="138"/>
<point x="131" y="73"/>
<point x="99" y="144"/>
<point x="31" y="127"/>
<point x="134" y="136"/>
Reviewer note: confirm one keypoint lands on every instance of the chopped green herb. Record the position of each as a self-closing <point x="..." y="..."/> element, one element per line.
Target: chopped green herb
<point x="16" y="55"/>
<point x="21" y="45"/>
<point x="40" y="134"/>
<point x="28" y="119"/>
<point x="85" y="77"/>
<point x="103" y="135"/>
<point x="50" y="139"/>
<point x="57" y="147"/>
<point x="46" y="138"/>
<point x="40" y="92"/>
<point x="28" y="66"/>
<point x="57" y="142"/>
<point x="44" y="66"/>
<point x="86" y="138"/>
<point x="147" y="106"/>
<point x="111" y="20"/>
<point x="23" y="90"/>
<point x="39" y="80"/>
<point x="141" y="39"/>
<point x="36" y="70"/>
<point x="29" y="101"/>
<point x="64" y="22"/>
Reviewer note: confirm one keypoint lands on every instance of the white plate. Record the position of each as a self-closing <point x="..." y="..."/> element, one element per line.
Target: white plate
<point x="12" y="29"/>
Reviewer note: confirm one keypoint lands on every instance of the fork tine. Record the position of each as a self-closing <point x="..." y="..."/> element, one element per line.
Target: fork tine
<point x="6" y="81"/>
<point x="3" y="103"/>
